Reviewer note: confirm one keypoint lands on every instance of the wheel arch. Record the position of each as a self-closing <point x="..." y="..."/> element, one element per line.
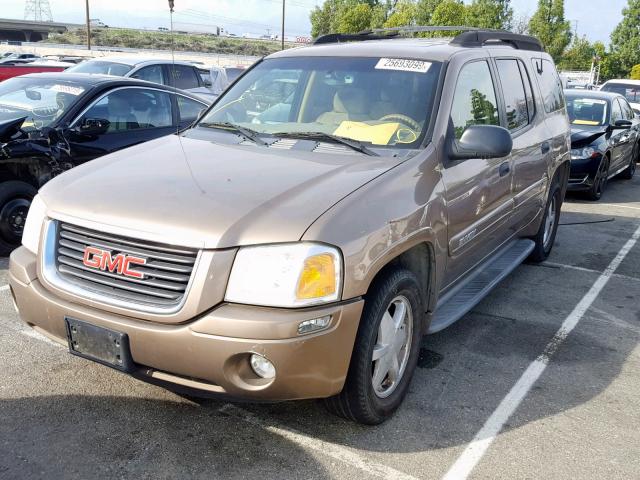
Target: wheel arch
<point x="419" y="258"/>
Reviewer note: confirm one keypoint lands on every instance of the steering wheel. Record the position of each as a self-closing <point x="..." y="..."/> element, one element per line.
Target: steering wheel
<point x="402" y="119"/>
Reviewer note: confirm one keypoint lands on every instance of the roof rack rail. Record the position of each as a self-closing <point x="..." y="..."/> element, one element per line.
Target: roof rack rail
<point x="470" y="36"/>
<point x="478" y="38"/>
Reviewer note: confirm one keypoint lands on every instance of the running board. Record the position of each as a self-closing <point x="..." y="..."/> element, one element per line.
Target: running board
<point x="454" y="304"/>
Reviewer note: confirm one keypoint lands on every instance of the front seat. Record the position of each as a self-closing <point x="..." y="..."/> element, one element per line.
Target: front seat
<point x="120" y="116"/>
<point x="348" y="104"/>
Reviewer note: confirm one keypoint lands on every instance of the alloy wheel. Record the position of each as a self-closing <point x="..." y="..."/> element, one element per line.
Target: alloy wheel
<point x="392" y="347"/>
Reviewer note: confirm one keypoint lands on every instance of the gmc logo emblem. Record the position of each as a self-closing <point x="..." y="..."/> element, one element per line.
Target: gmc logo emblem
<point x="120" y="264"/>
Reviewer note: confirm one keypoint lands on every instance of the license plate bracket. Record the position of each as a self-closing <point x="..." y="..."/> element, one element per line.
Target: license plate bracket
<point x="102" y="345"/>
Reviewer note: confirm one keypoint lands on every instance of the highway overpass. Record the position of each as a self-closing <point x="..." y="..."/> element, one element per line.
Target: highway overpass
<point x="29" y="30"/>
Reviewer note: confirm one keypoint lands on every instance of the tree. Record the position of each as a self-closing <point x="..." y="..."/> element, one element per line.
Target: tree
<point x="353" y="18"/>
<point x="451" y="13"/>
<point x="490" y="14"/>
<point x="635" y="72"/>
<point x="578" y="56"/>
<point x="550" y="26"/>
<point x="625" y="39"/>
<point x="403" y="14"/>
<point x="424" y="11"/>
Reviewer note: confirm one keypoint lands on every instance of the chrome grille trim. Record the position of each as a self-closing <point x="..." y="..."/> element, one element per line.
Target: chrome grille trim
<point x="168" y="272"/>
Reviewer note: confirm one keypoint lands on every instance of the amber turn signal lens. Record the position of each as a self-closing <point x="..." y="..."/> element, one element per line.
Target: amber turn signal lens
<point x="318" y="278"/>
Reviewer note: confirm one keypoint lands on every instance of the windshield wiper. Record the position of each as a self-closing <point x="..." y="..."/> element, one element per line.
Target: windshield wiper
<point x="247" y="133"/>
<point x="349" y="142"/>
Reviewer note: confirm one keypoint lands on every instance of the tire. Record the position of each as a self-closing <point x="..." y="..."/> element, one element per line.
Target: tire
<point x="359" y="400"/>
<point x="629" y="172"/>
<point x="15" y="199"/>
<point x="546" y="235"/>
<point x="600" y="182"/>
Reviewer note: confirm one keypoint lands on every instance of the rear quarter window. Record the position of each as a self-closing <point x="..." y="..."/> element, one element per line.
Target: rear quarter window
<point x="550" y="85"/>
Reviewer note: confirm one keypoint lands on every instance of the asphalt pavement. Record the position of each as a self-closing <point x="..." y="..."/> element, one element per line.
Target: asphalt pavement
<point x="65" y="417"/>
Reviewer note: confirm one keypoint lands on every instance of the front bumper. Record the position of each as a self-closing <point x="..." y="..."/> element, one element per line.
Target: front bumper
<point x="583" y="172"/>
<point x="210" y="354"/>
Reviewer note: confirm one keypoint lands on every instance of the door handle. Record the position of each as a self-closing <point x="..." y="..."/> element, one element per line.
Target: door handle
<point x="545" y="147"/>
<point x="504" y="169"/>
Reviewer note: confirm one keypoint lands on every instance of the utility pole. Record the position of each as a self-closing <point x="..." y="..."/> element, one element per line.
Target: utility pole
<point x="282" y="39"/>
<point x="88" y="27"/>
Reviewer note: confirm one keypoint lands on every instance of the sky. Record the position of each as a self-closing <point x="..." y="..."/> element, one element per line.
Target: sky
<point x="595" y="18"/>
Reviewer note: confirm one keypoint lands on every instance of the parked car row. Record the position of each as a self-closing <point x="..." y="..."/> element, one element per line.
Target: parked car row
<point x="205" y="82"/>
<point x="332" y="206"/>
<point x="50" y="123"/>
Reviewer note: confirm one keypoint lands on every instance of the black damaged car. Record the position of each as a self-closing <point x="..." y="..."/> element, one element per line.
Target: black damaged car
<point x="604" y="140"/>
<point x="51" y="122"/>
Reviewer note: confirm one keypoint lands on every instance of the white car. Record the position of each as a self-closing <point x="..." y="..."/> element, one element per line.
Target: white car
<point x="629" y="88"/>
<point x="179" y="74"/>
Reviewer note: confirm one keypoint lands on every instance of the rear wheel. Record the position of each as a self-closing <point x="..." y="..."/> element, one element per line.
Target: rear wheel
<point x="15" y="200"/>
<point x="600" y="181"/>
<point x="385" y="353"/>
<point x="546" y="235"/>
<point x="629" y="172"/>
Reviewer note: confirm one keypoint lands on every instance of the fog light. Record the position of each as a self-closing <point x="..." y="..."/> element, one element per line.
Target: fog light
<point x="314" y="325"/>
<point x="262" y="367"/>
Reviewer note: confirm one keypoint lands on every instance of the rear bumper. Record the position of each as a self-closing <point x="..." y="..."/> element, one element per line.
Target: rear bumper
<point x="210" y="354"/>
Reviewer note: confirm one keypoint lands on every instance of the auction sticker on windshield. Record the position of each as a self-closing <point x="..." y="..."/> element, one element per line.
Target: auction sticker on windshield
<point x="403" y="64"/>
<point x="67" y="89"/>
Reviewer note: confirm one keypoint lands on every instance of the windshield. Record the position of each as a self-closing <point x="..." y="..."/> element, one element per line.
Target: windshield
<point x="631" y="92"/>
<point x="42" y="101"/>
<point x="587" y="111"/>
<point x="101" y="67"/>
<point x="382" y="101"/>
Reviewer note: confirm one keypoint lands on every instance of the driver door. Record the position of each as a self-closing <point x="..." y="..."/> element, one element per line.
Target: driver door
<point x="478" y="191"/>
<point x="132" y="115"/>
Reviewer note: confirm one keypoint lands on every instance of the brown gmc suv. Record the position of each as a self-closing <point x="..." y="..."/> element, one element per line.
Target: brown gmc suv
<point x="334" y="205"/>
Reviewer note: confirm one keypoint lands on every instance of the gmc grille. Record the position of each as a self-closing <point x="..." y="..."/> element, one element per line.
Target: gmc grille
<point x="166" y="273"/>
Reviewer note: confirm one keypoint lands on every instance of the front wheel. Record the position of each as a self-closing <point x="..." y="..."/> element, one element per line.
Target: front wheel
<point x="15" y="200"/>
<point x="629" y="172"/>
<point x="600" y="181"/>
<point x="546" y="235"/>
<point x="385" y="353"/>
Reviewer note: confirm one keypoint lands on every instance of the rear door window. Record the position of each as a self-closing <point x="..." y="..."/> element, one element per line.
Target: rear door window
<point x="550" y="85"/>
<point x="184" y="77"/>
<point x="515" y="97"/>
<point x="474" y="99"/>
<point x="152" y="73"/>
<point x="627" y="111"/>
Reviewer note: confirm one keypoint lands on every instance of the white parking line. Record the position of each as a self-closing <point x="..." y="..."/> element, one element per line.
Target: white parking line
<point x="588" y="270"/>
<point x="474" y="452"/>
<point x="332" y="450"/>
<point x="616" y="205"/>
<point x="337" y="452"/>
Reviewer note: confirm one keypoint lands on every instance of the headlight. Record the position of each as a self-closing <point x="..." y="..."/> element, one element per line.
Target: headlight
<point x="33" y="225"/>
<point x="286" y="275"/>
<point x="580" y="153"/>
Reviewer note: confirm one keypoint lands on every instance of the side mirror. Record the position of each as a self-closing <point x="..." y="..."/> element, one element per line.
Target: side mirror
<point x="481" y="141"/>
<point x="93" y="126"/>
<point x="622" y="124"/>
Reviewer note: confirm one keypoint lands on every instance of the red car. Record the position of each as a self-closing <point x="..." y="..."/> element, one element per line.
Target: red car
<point x="10" y="71"/>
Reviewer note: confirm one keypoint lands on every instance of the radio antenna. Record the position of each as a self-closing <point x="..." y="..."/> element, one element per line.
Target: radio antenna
<point x="172" y="74"/>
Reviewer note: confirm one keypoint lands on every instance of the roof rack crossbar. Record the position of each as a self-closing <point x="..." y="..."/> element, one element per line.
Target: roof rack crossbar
<point x="469" y="36"/>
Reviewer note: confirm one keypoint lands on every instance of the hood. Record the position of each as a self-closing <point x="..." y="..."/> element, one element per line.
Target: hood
<point x="196" y="193"/>
<point x="583" y="136"/>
